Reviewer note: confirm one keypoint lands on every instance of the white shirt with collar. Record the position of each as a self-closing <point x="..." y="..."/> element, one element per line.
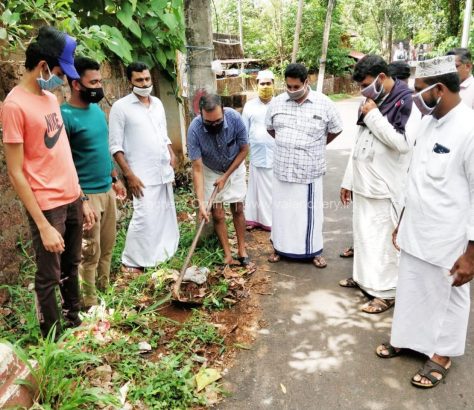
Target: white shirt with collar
<point x="262" y="144"/>
<point x="438" y="220"/>
<point x="140" y="133"/>
<point x="467" y="91"/>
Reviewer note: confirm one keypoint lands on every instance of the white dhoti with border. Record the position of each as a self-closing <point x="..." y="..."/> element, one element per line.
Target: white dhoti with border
<point x="234" y="189"/>
<point x="375" y="257"/>
<point x="297" y="217"/>
<point x="258" y="204"/>
<point x="153" y="233"/>
<point x="430" y="316"/>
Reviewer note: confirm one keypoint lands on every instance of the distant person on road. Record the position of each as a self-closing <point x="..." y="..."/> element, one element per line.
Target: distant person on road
<point x="302" y="122"/>
<point x="464" y="67"/>
<point x="86" y="127"/>
<point x="139" y="142"/>
<point x="374" y="178"/>
<point x="217" y="147"/>
<point x="258" y="204"/>
<point x="42" y="172"/>
<point x="436" y="231"/>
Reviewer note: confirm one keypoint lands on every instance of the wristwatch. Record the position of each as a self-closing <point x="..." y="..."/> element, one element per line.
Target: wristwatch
<point x="114" y="180"/>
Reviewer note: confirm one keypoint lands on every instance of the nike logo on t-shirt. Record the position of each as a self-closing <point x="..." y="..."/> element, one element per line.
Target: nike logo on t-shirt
<point x="52" y="123"/>
<point x="50" y="142"/>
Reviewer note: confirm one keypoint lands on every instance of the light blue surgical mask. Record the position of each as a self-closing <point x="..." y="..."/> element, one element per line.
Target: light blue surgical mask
<point x="51" y="83"/>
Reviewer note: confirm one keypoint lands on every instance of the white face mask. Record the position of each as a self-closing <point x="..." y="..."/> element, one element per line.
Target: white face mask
<point x="420" y="102"/>
<point x="371" y="90"/>
<point x="142" y="91"/>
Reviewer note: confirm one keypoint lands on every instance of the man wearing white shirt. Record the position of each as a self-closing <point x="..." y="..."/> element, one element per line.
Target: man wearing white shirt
<point x="258" y="204"/>
<point x="139" y="143"/>
<point x="464" y="68"/>
<point x="436" y="231"/>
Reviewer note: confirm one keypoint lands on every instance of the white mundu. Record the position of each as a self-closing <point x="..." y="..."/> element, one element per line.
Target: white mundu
<point x="258" y="205"/>
<point x="430" y="315"/>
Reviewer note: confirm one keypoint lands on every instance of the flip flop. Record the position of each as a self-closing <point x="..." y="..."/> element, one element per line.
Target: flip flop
<point x="347" y="253"/>
<point x="427" y="371"/>
<point x="392" y="352"/>
<point x="378" y="305"/>
<point x="319" y="262"/>
<point x="348" y="283"/>
<point x="130" y="269"/>
<point x="274" y="258"/>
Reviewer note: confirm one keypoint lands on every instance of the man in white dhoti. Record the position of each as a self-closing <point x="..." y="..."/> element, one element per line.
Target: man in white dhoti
<point x="139" y="143"/>
<point x="373" y="180"/>
<point x="258" y="204"/>
<point x="436" y="232"/>
<point x="303" y="122"/>
<point x="217" y="147"/>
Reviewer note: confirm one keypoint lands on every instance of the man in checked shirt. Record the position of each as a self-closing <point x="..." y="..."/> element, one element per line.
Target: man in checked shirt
<point x="302" y="122"/>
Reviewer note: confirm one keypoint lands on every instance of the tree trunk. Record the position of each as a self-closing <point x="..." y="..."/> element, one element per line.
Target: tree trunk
<point x="199" y="48"/>
<point x="296" y="40"/>
<point x="467" y="24"/>
<point x="241" y="30"/>
<point x="200" y="52"/>
<point x="327" y="28"/>
<point x="454" y="14"/>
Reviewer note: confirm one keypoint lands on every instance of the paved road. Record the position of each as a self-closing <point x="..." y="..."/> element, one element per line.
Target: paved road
<point x="318" y="346"/>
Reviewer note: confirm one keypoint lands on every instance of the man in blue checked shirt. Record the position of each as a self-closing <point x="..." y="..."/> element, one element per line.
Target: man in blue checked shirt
<point x="217" y="147"/>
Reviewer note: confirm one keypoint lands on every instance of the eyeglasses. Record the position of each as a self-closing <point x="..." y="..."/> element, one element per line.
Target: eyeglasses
<point x="213" y="123"/>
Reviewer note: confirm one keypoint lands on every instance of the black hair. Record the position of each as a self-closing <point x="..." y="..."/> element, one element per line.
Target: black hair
<point x="450" y="80"/>
<point x="399" y="69"/>
<point x="209" y="102"/>
<point x="82" y="64"/>
<point x="136" y="66"/>
<point x="35" y="53"/>
<point x="296" y="70"/>
<point x="371" y="65"/>
<point x="464" y="54"/>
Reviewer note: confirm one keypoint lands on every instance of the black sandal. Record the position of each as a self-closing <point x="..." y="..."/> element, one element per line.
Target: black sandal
<point x="392" y="352"/>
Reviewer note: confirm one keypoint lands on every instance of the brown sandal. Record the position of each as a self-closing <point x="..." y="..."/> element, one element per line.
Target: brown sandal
<point x="347" y="253"/>
<point x="378" y="305"/>
<point x="274" y="258"/>
<point x="391" y="351"/>
<point x="319" y="262"/>
<point x="348" y="283"/>
<point x="427" y="371"/>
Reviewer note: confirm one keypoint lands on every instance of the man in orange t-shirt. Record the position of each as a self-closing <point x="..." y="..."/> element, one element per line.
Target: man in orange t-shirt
<point x="42" y="172"/>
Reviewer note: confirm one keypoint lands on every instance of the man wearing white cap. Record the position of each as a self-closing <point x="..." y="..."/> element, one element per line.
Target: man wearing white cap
<point x="258" y="204"/>
<point x="436" y="231"/>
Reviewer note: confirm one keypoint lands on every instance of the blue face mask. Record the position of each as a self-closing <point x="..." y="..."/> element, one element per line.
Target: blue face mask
<point x="51" y="83"/>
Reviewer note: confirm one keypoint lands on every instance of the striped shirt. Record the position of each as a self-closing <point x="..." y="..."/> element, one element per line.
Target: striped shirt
<point x="300" y="135"/>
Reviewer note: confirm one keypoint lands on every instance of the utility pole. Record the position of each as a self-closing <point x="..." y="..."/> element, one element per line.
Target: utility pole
<point x="322" y="61"/>
<point x="241" y="31"/>
<point x="296" y="40"/>
<point x="467" y="24"/>
<point x="199" y="49"/>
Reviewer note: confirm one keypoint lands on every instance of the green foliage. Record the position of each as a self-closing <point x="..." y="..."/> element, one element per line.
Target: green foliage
<point x="126" y="29"/>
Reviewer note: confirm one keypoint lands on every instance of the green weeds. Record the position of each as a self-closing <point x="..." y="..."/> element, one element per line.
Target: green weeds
<point x="164" y="379"/>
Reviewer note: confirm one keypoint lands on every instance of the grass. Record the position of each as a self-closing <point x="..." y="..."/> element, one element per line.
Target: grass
<point x="66" y="370"/>
<point x="339" y="97"/>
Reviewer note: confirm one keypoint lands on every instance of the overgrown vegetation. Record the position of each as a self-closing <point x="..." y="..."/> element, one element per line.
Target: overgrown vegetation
<point x="89" y="366"/>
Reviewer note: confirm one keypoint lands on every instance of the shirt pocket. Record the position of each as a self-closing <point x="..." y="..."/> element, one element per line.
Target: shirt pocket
<point x="316" y="126"/>
<point x="365" y="148"/>
<point x="437" y="164"/>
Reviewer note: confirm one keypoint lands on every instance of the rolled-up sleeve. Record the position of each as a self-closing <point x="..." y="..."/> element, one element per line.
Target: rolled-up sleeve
<point x="194" y="149"/>
<point x="116" y="129"/>
<point x="241" y="132"/>
<point x="334" y="119"/>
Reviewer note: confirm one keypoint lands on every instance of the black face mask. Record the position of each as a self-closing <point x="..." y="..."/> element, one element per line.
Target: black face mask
<point x="91" y="95"/>
<point x="214" y="128"/>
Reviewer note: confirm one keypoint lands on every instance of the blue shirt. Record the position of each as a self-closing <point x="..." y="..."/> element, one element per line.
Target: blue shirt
<point x="217" y="151"/>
